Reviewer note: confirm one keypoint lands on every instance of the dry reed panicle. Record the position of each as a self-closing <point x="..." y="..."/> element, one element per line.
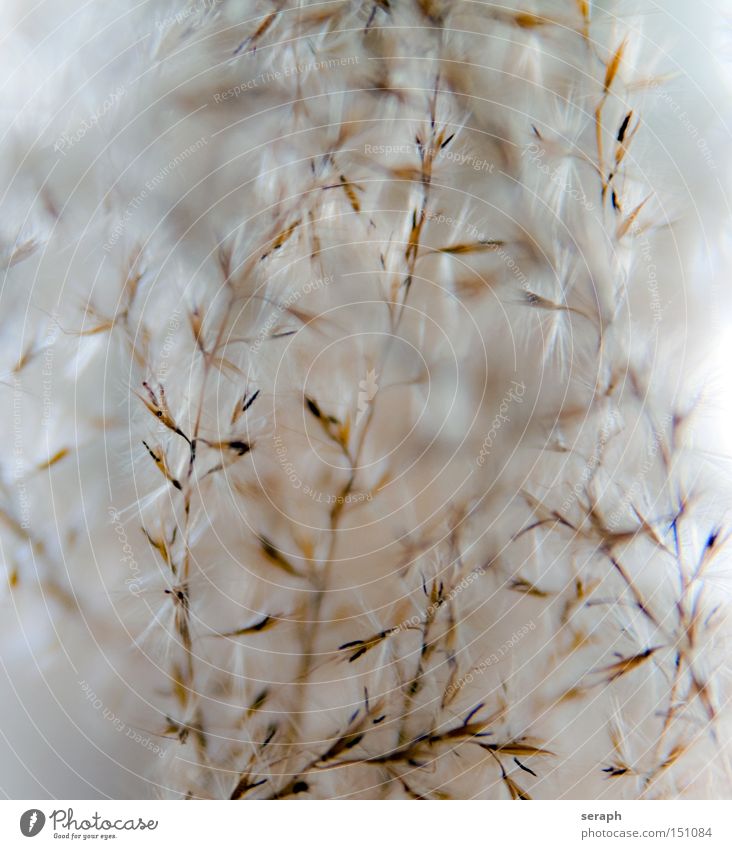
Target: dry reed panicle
<point x="349" y="451"/>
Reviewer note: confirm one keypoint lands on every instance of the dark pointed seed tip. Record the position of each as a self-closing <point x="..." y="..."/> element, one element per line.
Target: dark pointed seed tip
<point x="472" y="713"/>
<point x="354" y="741"/>
<point x="624" y="127"/>
<point x="313" y="407"/>
<point x="240" y="447"/>
<point x="357" y="654"/>
<point x="524" y="767"/>
<point x="249" y="401"/>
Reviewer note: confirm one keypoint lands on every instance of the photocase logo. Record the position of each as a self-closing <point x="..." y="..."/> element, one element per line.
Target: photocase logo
<point x="32" y="822"/>
<point x="368" y="389"/>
